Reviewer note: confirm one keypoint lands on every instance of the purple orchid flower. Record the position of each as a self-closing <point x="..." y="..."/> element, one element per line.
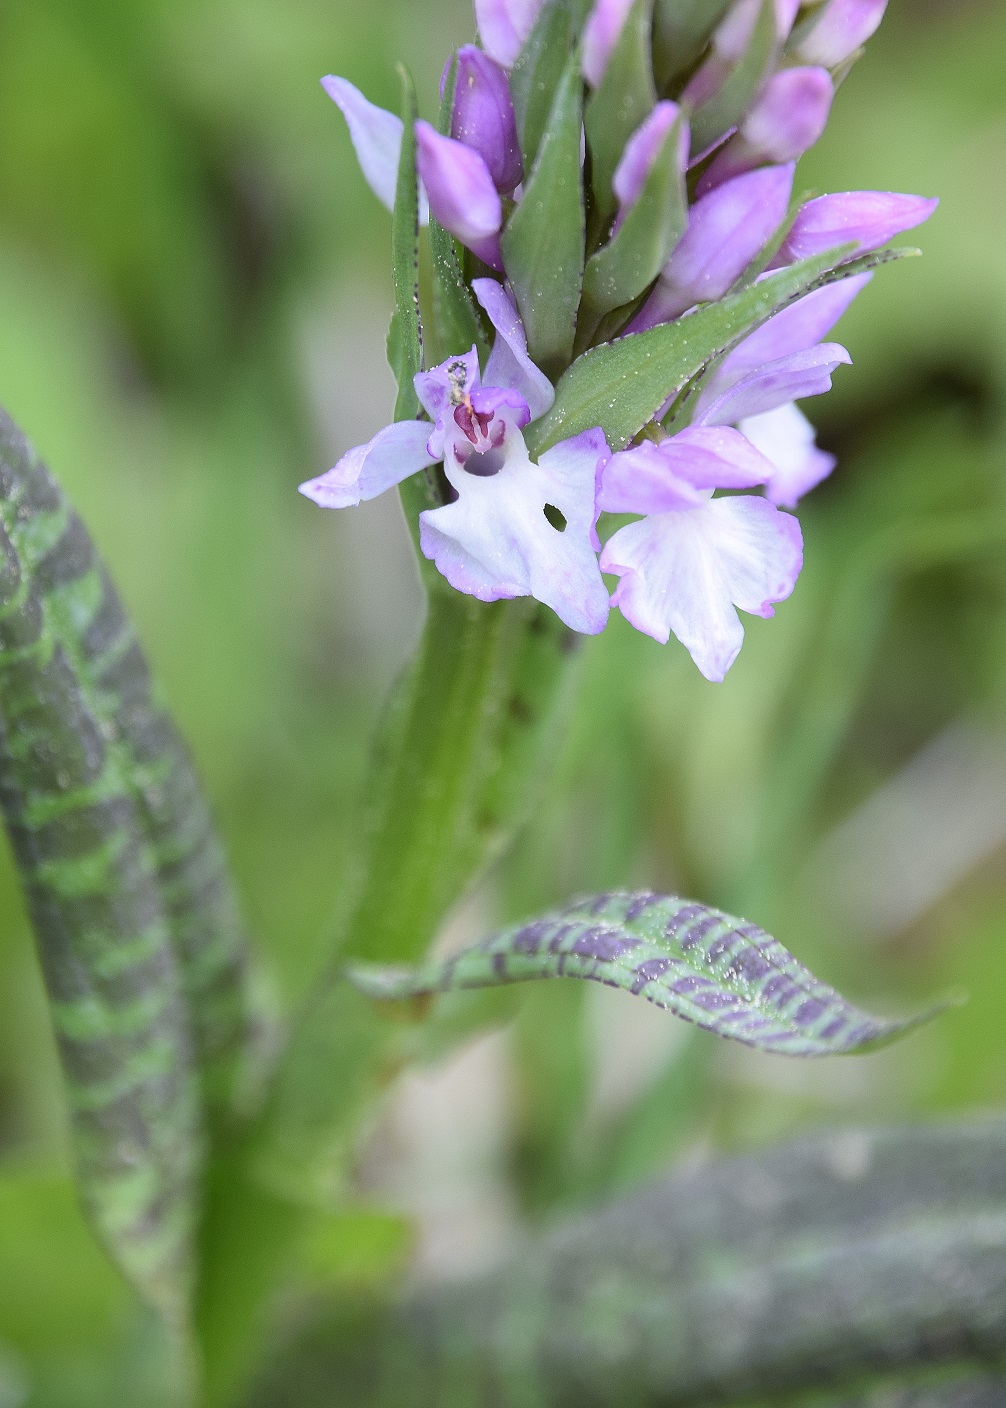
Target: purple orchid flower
<point x="496" y="539"/>
<point x="692" y="560"/>
<point x="866" y="219"/>
<point x="483" y="117"/>
<point x="844" y="25"/>
<point x="504" y="25"/>
<point x="726" y="229"/>
<point x="756" y="385"/>
<point x="600" y="35"/>
<point x="786" y="121"/>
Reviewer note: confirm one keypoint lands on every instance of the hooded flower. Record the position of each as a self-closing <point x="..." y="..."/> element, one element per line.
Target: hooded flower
<point x="515" y="528"/>
<point x="693" y="560"/>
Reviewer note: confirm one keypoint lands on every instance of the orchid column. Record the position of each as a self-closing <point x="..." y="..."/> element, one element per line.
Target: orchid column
<point x="627" y="310"/>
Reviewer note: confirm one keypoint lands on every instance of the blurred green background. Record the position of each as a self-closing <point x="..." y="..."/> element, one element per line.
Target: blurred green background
<point x="194" y="293"/>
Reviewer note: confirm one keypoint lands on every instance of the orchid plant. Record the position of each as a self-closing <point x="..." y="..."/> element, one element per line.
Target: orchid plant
<point x="599" y="373"/>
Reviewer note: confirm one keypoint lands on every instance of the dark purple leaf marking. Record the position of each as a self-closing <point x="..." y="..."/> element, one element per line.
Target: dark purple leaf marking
<point x="724" y="975"/>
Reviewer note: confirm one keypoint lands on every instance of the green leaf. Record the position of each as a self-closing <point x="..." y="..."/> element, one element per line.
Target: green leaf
<point x="537" y="74"/>
<point x="455" y="316"/>
<point x="111" y="841"/>
<point x="633" y="258"/>
<point x="543" y="243"/>
<point x="615" y="109"/>
<point x="405" y="338"/>
<point x="733" y="98"/>
<point x="621" y="385"/>
<point x="681" y="31"/>
<point x="723" y="974"/>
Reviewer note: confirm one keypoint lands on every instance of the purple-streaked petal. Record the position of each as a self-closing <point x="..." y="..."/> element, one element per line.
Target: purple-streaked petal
<point x="786" y="437"/>
<point x="462" y="194"/>
<point x="504" y="25"/>
<point x="367" y="470"/>
<point x="483" y="117"/>
<point x="799" y="327"/>
<point x="447" y="383"/>
<point x="686" y="572"/>
<point x="509" y="363"/>
<point x="681" y="471"/>
<point x="791" y="378"/>
<point x="600" y="35"/>
<point x="844" y="25"/>
<point x="495" y="541"/>
<point x="377" y="141"/>
<point x="642" y="150"/>
<point x="726" y="229"/>
<point x="867" y="219"/>
<point x="786" y="120"/>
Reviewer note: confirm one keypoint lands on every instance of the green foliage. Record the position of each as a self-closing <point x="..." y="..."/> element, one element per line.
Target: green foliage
<point x="537" y="74"/>
<point x="639" y="249"/>
<point x="715" y="117"/>
<point x="624" y="99"/>
<point x="724" y="975"/>
<point x="543" y="243"/>
<point x="621" y="385"/>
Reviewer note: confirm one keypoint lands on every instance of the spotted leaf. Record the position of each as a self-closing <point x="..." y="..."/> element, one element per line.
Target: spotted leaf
<point x="723" y="974"/>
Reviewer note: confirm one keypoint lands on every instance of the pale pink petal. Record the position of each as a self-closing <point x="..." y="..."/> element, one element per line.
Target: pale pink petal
<point x="786" y="437"/>
<point x="504" y="25"/>
<point x="685" y="573"/>
<point x="377" y="140"/>
<point x="367" y="470"/>
<point x="495" y="541"/>
<point x="790" y="379"/>
<point x="681" y="471"/>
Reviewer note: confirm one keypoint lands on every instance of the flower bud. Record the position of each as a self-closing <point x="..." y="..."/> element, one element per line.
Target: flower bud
<point x="504" y="25"/>
<point x="867" y="219"/>
<point x="600" y="35"/>
<point x="844" y="25"/>
<point x="642" y="150"/>
<point x="461" y="192"/>
<point x="787" y="119"/>
<point x="726" y="229"/>
<point x="483" y="116"/>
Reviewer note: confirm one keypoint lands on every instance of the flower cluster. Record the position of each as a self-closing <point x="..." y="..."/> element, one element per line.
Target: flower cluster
<point x="684" y="188"/>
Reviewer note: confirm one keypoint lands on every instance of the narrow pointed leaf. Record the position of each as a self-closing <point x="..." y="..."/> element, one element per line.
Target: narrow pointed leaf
<point x="537" y="74"/>
<point x="681" y="31"/>
<point x="81" y="748"/>
<point x="721" y="973"/>
<point x="624" y="98"/>
<point x="455" y="316"/>
<point x="621" y="385"/>
<point x="633" y="258"/>
<point x="728" y="105"/>
<point x="405" y="338"/>
<point x="543" y="242"/>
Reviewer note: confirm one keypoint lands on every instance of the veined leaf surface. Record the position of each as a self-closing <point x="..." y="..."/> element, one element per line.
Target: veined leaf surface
<point x="724" y="974"/>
